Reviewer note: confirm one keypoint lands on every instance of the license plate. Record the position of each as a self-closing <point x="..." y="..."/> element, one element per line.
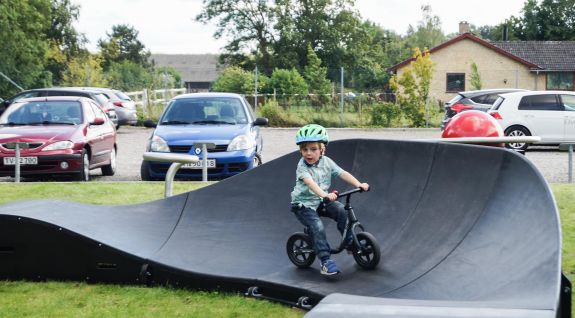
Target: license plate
<point x="10" y="161"/>
<point x="198" y="165"/>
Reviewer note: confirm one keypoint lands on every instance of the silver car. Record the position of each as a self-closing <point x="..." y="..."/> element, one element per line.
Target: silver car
<point x="124" y="106"/>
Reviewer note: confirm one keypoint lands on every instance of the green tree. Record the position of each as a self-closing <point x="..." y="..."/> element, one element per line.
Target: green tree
<point x="84" y="71"/>
<point x="288" y="82"/>
<point x="128" y="76"/>
<point x="167" y="77"/>
<point x="123" y="45"/>
<point x="23" y="57"/>
<point x="247" y="23"/>
<point x="545" y="20"/>
<point x="332" y="28"/>
<point x="315" y="74"/>
<point x="66" y="43"/>
<point x="412" y="87"/>
<point x="428" y="32"/>
<point x="235" y="80"/>
<point x="475" y="77"/>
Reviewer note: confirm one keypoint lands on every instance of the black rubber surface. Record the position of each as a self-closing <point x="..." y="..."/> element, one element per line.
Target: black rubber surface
<point x="459" y="226"/>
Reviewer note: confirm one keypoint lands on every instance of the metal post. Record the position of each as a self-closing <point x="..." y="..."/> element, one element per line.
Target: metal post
<point x="17" y="163"/>
<point x="204" y="162"/>
<point x="570" y="163"/>
<point x="427" y="111"/>
<point x="341" y="99"/>
<point x="177" y="160"/>
<point x="169" y="185"/>
<point x="256" y="91"/>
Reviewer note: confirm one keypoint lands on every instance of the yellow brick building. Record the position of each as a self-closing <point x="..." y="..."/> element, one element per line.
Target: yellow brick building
<point x="533" y="65"/>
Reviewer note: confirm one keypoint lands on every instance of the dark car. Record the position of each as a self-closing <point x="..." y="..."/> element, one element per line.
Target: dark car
<point x="59" y="136"/>
<point x="479" y="100"/>
<point x="124" y="106"/>
<point x="223" y="119"/>
<point x="97" y="96"/>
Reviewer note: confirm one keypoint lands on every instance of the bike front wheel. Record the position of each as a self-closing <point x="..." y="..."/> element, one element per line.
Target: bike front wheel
<point x="368" y="254"/>
<point x="299" y="248"/>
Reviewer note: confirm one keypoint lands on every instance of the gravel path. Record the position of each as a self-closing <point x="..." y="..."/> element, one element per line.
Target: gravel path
<point x="552" y="163"/>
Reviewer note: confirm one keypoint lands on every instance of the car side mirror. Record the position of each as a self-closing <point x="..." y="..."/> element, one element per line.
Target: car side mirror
<point x="261" y="121"/>
<point x="150" y="123"/>
<point x="98" y="121"/>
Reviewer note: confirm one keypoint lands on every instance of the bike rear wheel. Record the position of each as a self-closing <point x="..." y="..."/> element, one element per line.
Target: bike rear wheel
<point x="368" y="254"/>
<point x="299" y="248"/>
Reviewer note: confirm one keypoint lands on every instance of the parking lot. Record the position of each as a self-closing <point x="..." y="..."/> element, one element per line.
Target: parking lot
<point x="551" y="162"/>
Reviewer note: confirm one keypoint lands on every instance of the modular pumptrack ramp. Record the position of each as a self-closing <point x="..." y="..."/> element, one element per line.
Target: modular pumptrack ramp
<point x="465" y="231"/>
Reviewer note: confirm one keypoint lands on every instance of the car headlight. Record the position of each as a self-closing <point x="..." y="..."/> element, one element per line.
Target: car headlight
<point x="241" y="142"/>
<point x="59" y="145"/>
<point x="157" y="144"/>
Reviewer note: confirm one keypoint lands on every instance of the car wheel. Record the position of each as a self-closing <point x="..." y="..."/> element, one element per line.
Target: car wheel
<point x="110" y="170"/>
<point x="145" y="172"/>
<point x="517" y="131"/>
<point x="84" y="174"/>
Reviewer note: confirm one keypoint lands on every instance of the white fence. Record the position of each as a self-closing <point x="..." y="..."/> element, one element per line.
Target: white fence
<point x="147" y="98"/>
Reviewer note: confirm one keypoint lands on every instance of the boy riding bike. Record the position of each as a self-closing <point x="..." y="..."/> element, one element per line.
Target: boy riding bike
<point x="313" y="180"/>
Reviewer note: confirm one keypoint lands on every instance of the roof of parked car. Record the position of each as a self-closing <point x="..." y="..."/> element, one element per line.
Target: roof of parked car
<point x="490" y="91"/>
<point x="210" y="94"/>
<point x="68" y="89"/>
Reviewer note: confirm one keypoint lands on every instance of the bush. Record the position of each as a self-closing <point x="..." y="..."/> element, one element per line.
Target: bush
<point x="275" y="114"/>
<point x="384" y="114"/>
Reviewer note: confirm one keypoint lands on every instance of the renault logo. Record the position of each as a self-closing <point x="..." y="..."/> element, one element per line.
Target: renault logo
<point x="198" y="151"/>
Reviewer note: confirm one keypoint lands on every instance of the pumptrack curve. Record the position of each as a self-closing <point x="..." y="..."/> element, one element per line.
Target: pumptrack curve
<point x="464" y="231"/>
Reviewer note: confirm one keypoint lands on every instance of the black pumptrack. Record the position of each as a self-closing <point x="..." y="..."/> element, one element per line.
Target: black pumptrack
<point x="464" y="231"/>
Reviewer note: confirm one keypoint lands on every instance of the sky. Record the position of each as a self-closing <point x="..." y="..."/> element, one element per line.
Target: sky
<point x="169" y="26"/>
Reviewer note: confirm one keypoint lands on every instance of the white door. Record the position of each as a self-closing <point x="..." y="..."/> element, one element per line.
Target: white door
<point x="544" y="116"/>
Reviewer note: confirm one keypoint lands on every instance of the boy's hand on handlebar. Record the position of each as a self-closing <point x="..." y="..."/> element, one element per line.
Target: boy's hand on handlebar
<point x="332" y="196"/>
<point x="364" y="186"/>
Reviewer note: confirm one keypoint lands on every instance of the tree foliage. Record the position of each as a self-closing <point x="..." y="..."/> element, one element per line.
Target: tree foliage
<point x="84" y="71"/>
<point x="428" y="32"/>
<point x="24" y="47"/>
<point x="412" y="87"/>
<point x="235" y="80"/>
<point x="315" y="74"/>
<point x="288" y="82"/>
<point x="475" y="77"/>
<point x="248" y="23"/>
<point x="122" y="45"/>
<point x="128" y="76"/>
<point x="65" y="42"/>
<point x="546" y="20"/>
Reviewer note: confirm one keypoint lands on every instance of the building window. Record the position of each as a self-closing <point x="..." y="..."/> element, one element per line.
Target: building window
<point x="560" y="81"/>
<point x="455" y="82"/>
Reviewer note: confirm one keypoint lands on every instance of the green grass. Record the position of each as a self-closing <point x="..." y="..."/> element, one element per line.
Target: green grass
<point x="57" y="299"/>
<point x="65" y="299"/>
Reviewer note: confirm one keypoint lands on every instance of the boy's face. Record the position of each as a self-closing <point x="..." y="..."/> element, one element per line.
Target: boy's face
<point x="311" y="152"/>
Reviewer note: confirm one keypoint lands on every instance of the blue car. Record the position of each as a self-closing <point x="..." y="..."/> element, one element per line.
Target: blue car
<point x="223" y="119"/>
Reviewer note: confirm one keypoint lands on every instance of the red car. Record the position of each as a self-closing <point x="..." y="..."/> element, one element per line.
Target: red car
<point x="57" y="136"/>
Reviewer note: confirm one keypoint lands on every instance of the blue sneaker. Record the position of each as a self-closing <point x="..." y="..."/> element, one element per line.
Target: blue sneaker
<point x="329" y="268"/>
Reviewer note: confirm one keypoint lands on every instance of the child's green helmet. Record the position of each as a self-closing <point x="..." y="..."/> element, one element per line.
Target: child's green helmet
<point x="311" y="132"/>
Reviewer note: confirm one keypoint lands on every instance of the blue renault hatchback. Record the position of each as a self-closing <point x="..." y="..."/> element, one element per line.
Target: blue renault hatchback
<point x="223" y="119"/>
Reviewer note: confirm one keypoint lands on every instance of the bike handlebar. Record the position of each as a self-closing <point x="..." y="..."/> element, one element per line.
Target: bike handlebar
<point x="343" y="194"/>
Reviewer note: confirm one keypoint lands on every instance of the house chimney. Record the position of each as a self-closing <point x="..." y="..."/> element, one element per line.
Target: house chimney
<point x="464" y="27"/>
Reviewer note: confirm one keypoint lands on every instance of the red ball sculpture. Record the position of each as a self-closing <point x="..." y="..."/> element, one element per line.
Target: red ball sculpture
<point x="473" y="123"/>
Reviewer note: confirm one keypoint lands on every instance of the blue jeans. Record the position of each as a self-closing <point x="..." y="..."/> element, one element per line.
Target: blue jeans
<point x="310" y="218"/>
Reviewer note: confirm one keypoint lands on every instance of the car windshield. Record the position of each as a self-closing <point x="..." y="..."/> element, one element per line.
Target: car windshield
<point x="122" y="96"/>
<point x="101" y="98"/>
<point x="43" y="113"/>
<point x="205" y="111"/>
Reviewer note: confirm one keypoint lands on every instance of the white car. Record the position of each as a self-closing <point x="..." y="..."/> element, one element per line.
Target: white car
<point x="547" y="114"/>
